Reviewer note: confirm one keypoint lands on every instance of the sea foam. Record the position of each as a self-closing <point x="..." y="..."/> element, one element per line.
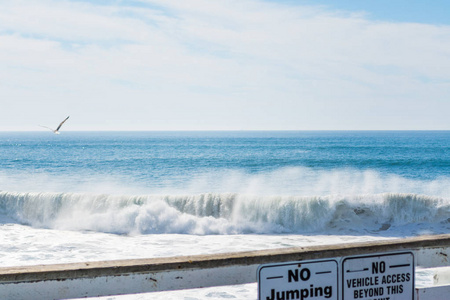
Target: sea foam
<point x="226" y="213"/>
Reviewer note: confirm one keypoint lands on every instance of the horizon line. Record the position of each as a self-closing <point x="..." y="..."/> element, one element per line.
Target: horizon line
<point x="228" y="130"/>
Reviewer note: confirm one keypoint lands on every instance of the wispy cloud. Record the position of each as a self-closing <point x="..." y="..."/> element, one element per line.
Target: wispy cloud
<point x="222" y="65"/>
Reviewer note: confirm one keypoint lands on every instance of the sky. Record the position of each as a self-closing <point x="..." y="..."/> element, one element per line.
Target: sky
<point x="225" y="65"/>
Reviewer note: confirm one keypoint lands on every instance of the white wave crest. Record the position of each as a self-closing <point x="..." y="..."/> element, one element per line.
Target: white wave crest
<point x="225" y="213"/>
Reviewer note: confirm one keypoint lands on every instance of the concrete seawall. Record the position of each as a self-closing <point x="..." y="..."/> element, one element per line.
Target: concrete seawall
<point x="159" y="274"/>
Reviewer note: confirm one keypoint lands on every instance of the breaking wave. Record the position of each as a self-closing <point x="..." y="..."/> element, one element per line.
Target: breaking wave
<point x="222" y="213"/>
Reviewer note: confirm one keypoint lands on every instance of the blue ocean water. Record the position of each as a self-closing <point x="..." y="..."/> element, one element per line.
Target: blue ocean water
<point x="227" y="182"/>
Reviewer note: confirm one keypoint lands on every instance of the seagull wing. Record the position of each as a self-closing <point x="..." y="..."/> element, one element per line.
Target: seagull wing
<point x="60" y="124"/>
<point x="47" y="127"/>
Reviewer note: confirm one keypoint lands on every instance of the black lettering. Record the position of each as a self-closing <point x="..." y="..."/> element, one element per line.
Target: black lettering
<point x="272" y="295"/>
<point x="328" y="290"/>
<point x="349" y="283"/>
<point x="375" y="268"/>
<point x="378" y="267"/>
<point x="305" y="274"/>
<point x="304" y="293"/>
<point x="293" y="275"/>
<point x="294" y="294"/>
<point x="359" y="282"/>
<point x="382" y="267"/>
<point x="395" y="289"/>
<point x="317" y="291"/>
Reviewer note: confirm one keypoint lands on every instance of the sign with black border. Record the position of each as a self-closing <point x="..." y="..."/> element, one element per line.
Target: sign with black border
<point x="303" y="280"/>
<point x="383" y="276"/>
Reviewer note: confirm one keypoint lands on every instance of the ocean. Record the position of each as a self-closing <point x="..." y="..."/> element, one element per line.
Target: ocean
<point x="89" y="196"/>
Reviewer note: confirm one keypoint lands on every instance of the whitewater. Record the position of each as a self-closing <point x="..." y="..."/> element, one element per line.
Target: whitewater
<point x="83" y="196"/>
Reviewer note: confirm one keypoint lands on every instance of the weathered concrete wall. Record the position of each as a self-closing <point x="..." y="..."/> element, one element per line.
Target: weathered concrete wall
<point x="159" y="274"/>
<point x="434" y="293"/>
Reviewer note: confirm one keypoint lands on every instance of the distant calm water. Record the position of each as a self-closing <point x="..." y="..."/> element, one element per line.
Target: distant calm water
<point x="153" y="158"/>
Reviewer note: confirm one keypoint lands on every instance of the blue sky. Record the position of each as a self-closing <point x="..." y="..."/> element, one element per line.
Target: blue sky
<point x="430" y="12"/>
<point x="225" y="65"/>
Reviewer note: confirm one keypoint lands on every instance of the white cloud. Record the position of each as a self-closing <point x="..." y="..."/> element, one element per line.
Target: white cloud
<point x="219" y="65"/>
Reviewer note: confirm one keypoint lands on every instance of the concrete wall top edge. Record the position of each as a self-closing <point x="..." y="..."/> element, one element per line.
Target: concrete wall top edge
<point x="124" y="267"/>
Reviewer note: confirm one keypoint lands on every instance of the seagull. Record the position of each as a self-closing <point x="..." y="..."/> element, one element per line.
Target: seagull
<point x="56" y="131"/>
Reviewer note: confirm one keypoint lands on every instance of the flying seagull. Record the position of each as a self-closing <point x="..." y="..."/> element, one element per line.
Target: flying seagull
<point x="56" y="131"/>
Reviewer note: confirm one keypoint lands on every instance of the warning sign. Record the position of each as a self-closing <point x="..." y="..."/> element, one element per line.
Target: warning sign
<point x="387" y="276"/>
<point x="298" y="280"/>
